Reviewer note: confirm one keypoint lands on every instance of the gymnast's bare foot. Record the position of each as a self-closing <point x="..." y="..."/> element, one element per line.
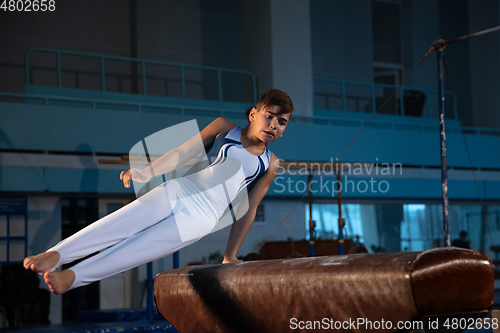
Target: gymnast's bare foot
<point x="42" y="262"/>
<point x="230" y="260"/>
<point x="59" y="282"/>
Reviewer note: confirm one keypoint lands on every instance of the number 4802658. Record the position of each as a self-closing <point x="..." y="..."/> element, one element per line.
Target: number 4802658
<point x="471" y="323"/>
<point x="28" y="5"/>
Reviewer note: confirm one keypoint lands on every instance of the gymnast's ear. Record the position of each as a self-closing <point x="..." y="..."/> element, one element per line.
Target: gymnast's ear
<point x="247" y="112"/>
<point x="251" y="115"/>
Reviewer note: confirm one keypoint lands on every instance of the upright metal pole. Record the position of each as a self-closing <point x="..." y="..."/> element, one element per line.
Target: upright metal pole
<point x="312" y="224"/>
<point x="176" y="253"/>
<point x="176" y="259"/>
<point x="150" y="300"/>
<point x="442" y="132"/>
<point x="341" y="221"/>
<point x="149" y="269"/>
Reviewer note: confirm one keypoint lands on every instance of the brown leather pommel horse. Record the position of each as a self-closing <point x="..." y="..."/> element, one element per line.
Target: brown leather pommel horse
<point x="330" y="292"/>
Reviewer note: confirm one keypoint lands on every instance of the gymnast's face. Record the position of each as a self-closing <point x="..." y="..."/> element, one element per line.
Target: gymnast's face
<point x="267" y="124"/>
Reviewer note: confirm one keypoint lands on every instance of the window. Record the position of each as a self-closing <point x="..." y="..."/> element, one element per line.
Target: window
<point x="13" y="230"/>
<point x="415" y="234"/>
<point x="387" y="55"/>
<point x="392" y="227"/>
<point x="327" y="217"/>
<point x="76" y="214"/>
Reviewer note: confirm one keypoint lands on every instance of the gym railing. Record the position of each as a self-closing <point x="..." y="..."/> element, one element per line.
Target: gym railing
<point x="142" y="65"/>
<point x="359" y="96"/>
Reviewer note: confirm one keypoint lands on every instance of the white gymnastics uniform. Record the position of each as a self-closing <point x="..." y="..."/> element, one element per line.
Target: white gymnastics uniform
<point x="141" y="232"/>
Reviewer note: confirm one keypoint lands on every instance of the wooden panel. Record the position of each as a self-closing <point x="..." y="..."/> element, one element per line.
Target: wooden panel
<point x="282" y="250"/>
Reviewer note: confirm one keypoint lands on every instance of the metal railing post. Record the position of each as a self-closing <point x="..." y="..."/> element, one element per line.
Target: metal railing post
<point x="429" y="103"/>
<point x="455" y="111"/>
<point x="27" y="67"/>
<point x="144" y="85"/>
<point x="256" y="93"/>
<point x="183" y="81"/>
<point x="374" y="100"/>
<point x="219" y="78"/>
<point x="58" y="64"/>
<point x="103" y="75"/>
<point x="402" y="101"/>
<point x="344" y="98"/>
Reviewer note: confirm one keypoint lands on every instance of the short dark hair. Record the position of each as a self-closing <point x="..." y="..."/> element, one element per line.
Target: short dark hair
<point x="278" y="98"/>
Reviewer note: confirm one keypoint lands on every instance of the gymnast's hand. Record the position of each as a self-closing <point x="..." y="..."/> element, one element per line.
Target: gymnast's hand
<point x="134" y="174"/>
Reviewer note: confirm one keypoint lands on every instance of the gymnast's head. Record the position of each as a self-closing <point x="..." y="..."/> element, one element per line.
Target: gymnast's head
<point x="269" y="118"/>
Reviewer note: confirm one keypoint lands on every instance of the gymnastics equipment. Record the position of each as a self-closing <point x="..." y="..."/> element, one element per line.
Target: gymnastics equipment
<point x="433" y="287"/>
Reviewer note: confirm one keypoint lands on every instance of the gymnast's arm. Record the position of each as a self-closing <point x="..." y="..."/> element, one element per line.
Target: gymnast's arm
<point x="177" y="157"/>
<point x="240" y="228"/>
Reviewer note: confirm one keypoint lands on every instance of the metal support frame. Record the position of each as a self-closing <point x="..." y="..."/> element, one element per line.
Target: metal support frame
<point x="442" y="134"/>
<point x="341" y="221"/>
<point x="312" y="223"/>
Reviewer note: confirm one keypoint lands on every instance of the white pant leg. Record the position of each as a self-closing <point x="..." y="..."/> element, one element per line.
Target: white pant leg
<point x="147" y="245"/>
<point x="113" y="228"/>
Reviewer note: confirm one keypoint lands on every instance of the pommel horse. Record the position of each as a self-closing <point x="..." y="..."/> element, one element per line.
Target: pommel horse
<point x="436" y="287"/>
